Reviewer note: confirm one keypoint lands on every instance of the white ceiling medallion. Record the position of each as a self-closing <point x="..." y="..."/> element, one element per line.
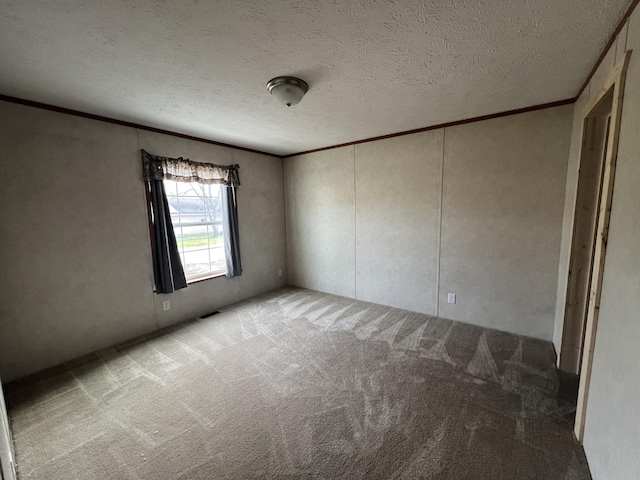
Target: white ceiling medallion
<point x="287" y="90"/>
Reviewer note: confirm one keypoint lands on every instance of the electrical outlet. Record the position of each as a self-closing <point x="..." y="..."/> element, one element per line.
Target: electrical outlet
<point x="451" y="298"/>
<point x="279" y="272"/>
<point x="166" y="305"/>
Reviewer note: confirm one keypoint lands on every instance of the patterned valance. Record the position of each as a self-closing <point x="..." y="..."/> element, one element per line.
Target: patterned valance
<point x="184" y="170"/>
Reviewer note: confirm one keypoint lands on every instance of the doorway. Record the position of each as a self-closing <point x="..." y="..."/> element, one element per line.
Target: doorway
<point x="600" y="131"/>
<point x="595" y="138"/>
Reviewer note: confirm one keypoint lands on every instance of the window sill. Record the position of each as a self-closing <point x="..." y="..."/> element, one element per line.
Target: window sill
<point x="202" y="278"/>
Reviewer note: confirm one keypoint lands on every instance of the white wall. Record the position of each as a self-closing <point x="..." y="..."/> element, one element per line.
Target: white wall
<point x="320" y="205"/>
<point x="612" y="427"/>
<point x="397" y="211"/>
<point x="74" y="241"/>
<point x="474" y="209"/>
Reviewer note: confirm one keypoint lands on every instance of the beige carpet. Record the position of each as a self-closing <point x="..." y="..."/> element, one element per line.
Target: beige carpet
<point x="299" y="384"/>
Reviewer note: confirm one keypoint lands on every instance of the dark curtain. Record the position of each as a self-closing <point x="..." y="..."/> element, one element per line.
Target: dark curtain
<point x="231" y="235"/>
<point x="169" y="274"/>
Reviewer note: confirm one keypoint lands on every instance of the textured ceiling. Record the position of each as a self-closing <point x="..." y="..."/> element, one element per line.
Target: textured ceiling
<point x="373" y="67"/>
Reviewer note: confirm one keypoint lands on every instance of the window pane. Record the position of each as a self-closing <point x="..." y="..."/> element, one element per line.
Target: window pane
<point x="175" y="217"/>
<point x="216" y="243"/>
<point x="215" y="235"/>
<point x="179" y="236"/>
<point x="196" y="212"/>
<point x="213" y="203"/>
<point x="196" y="262"/>
<point x="184" y="189"/>
<point x="218" y="265"/>
<point x="170" y="187"/>
<point x="192" y="237"/>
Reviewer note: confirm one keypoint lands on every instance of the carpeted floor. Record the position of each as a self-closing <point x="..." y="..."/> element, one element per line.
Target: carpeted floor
<point x="299" y="384"/>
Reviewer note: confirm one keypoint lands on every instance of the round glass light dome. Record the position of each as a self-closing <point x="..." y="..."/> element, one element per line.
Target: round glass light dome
<point x="287" y="90"/>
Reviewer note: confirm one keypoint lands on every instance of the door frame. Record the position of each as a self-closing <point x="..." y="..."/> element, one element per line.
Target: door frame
<point x="594" y="142"/>
<point x="614" y="82"/>
<point x="7" y="465"/>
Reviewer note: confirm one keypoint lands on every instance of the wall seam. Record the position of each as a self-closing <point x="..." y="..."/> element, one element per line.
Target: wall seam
<point x="294" y="251"/>
<point x="439" y="249"/>
<point x="355" y="230"/>
<point x="285" y="267"/>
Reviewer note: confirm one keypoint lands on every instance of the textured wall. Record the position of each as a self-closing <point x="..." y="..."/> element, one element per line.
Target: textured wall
<point x="397" y="220"/>
<point x="319" y="193"/>
<point x="501" y="220"/>
<point x="612" y="427"/>
<point x="75" y="251"/>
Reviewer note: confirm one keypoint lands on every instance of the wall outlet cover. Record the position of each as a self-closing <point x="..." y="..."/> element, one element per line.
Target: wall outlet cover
<point x="166" y="305"/>
<point x="451" y="298"/>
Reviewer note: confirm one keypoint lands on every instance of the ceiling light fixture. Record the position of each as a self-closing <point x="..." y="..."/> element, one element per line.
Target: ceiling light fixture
<point x="287" y="90"/>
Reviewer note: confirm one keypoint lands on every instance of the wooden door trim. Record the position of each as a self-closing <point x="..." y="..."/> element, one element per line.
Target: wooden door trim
<point x="561" y="360"/>
<point x="615" y="81"/>
<point x="7" y="464"/>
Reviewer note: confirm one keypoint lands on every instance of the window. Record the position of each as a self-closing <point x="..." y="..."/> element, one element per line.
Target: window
<point x="196" y="214"/>
<point x="193" y="220"/>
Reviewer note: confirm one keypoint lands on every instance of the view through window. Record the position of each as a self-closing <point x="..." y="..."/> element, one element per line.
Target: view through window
<point x="196" y="213"/>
